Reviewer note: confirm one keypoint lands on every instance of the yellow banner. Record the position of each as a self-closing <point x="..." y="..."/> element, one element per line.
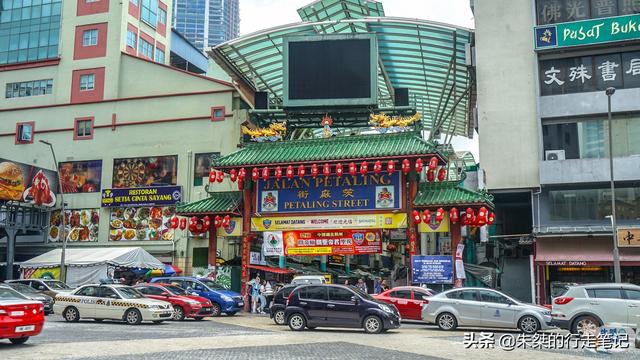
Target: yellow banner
<point x="234" y="229"/>
<point x="321" y="250"/>
<point x="365" y="221"/>
<point x="433" y="226"/>
<point x="628" y="237"/>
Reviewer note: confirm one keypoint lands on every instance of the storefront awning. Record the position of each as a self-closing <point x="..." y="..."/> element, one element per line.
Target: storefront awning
<point x="450" y="193"/>
<point x="576" y="250"/>
<point x="271" y="269"/>
<point x="339" y="148"/>
<point x="217" y="203"/>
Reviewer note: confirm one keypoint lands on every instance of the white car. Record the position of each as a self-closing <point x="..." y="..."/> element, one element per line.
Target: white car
<point x="309" y="280"/>
<point x="485" y="308"/>
<point x="116" y="302"/>
<point x="584" y="308"/>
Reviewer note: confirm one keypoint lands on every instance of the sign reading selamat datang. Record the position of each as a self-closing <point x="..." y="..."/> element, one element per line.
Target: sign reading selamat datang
<point x="588" y="32"/>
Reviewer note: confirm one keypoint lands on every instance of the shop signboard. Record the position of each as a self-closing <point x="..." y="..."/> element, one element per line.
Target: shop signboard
<point x="234" y="228"/>
<point x="588" y="32"/>
<point x="364" y="221"/>
<point x="332" y="242"/>
<point x="432" y="269"/>
<point x="434" y="226"/>
<point x="146" y="196"/>
<point x="272" y="244"/>
<point x="27" y="183"/>
<point x="330" y="193"/>
<point x="628" y="237"/>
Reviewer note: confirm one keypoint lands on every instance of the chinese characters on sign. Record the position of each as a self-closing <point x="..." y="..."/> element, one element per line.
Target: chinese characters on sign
<point x="557" y="11"/>
<point x="332" y="242"/>
<point x="628" y="237"/>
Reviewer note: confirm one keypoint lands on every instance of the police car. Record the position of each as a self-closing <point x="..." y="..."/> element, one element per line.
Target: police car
<point x="116" y="302"/>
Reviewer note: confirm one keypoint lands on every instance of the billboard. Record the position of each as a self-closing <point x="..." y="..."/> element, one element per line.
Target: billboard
<point x="141" y="223"/>
<point x="146" y="196"/>
<point x="362" y="221"/>
<point x="27" y="183"/>
<point x="145" y="171"/>
<point x="80" y="225"/>
<point x="332" y="242"/>
<point x="80" y="176"/>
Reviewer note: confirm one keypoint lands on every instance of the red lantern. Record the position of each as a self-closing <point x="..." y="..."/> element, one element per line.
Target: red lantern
<point x="339" y="170"/>
<point x="364" y="168"/>
<point x="433" y="163"/>
<point x="426" y="216"/>
<point x="391" y="167"/>
<point x="391" y="247"/>
<point x="431" y="176"/>
<point x="415" y="215"/>
<point x="482" y="216"/>
<point x="174" y="222"/>
<point x="469" y="216"/>
<point x="183" y="223"/>
<point x="439" y="214"/>
<point x="198" y="228"/>
<point x="419" y="166"/>
<point x="352" y="169"/>
<point x="265" y="173"/>
<point x="326" y="169"/>
<point x="491" y="218"/>
<point x="453" y="215"/>
<point x="212" y="176"/>
<point x="406" y="166"/>
<point x="377" y="167"/>
<point x="193" y="220"/>
<point x="301" y="171"/>
<point x="289" y="172"/>
<point x="242" y="173"/>
<point x="217" y="221"/>
<point x="206" y="221"/>
<point x="220" y="176"/>
<point x="254" y="174"/>
<point x="314" y="170"/>
<point x="407" y="248"/>
<point x="226" y="221"/>
<point x="233" y="175"/>
<point x="278" y="172"/>
<point x="442" y="174"/>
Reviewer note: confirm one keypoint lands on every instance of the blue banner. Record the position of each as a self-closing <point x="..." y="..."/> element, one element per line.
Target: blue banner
<point x="144" y="196"/>
<point x="321" y="194"/>
<point x="432" y="269"/>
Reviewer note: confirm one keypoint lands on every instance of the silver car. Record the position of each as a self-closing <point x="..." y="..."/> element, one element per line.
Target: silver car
<point x="486" y="308"/>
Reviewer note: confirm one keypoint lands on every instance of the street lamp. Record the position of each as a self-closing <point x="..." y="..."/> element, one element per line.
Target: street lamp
<point x="616" y="254"/>
<point x="63" y="271"/>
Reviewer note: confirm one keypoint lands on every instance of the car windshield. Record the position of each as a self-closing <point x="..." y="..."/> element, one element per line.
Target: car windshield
<point x="212" y="285"/>
<point x="24" y="289"/>
<point x="57" y="285"/>
<point x="362" y="294"/>
<point x="10" y="294"/>
<point x="176" y="290"/>
<point x="130" y="293"/>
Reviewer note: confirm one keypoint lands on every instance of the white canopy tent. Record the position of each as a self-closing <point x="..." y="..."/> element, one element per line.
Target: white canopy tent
<point x="90" y="265"/>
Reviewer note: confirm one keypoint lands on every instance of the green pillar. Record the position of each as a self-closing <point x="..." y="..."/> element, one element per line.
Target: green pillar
<point x="323" y="263"/>
<point x="282" y="262"/>
<point x="347" y="264"/>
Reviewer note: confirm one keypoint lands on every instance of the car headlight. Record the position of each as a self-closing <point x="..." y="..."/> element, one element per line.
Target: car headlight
<point x="154" y="306"/>
<point x="192" y="302"/>
<point x="385" y="308"/>
<point x="226" y="298"/>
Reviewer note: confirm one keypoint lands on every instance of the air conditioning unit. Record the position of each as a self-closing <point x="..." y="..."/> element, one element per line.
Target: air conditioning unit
<point x="550" y="155"/>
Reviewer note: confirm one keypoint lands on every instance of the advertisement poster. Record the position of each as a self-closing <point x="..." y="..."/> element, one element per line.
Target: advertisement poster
<point x="432" y="269"/>
<point x="145" y="171"/>
<point x="147" y="196"/>
<point x="80" y="176"/>
<point x="81" y="225"/>
<point x="332" y="242"/>
<point x="28" y="184"/>
<point x="141" y="223"/>
<point x="202" y="167"/>
<point x="363" y="221"/>
<point x="333" y="193"/>
<point x="272" y="243"/>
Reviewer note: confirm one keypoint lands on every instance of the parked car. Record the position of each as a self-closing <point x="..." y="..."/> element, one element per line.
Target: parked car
<point x="20" y="318"/>
<point x="115" y="302"/>
<point x="184" y="304"/>
<point x="279" y="303"/>
<point x="49" y="287"/>
<point x="486" y="308"/>
<point x="223" y="300"/>
<point x="311" y="306"/>
<point x="408" y="300"/>
<point x="584" y="308"/>
<point x="308" y="280"/>
<point x="33" y="294"/>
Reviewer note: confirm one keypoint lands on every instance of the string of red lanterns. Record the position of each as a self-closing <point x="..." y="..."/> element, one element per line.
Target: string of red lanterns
<point x="467" y="218"/>
<point x="199" y="226"/>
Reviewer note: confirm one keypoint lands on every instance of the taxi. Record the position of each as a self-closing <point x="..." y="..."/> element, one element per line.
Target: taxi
<point x="115" y="302"/>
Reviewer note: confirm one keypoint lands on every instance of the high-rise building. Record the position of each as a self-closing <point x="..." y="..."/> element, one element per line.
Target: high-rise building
<point x="207" y="23"/>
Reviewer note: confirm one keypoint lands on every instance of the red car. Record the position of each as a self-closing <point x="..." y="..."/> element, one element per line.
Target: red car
<point x="20" y="318"/>
<point x="184" y="304"/>
<point x="408" y="300"/>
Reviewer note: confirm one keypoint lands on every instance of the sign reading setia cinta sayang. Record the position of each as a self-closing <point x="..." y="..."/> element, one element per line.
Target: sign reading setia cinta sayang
<point x="144" y="196"/>
<point x="588" y="32"/>
<point x="332" y="242"/>
<point x="332" y="193"/>
<point x="362" y="221"/>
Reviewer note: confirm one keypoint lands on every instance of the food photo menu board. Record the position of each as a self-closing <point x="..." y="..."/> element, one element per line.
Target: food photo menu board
<point x="80" y="225"/>
<point x="141" y="223"/>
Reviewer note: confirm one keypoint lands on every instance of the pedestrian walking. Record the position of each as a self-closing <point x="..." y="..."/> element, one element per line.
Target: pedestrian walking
<point x="377" y="287"/>
<point x="384" y="285"/>
<point x="263" y="298"/>
<point x="362" y="285"/>
<point x="255" y="293"/>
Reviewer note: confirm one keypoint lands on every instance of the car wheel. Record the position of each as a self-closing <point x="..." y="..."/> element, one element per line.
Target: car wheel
<point x="71" y="314"/>
<point x="297" y="322"/>
<point x="372" y="324"/>
<point x="528" y="324"/>
<point x="133" y="317"/>
<point x="215" y="310"/>
<point x="178" y="313"/>
<point x="278" y="317"/>
<point x="446" y="321"/>
<point x="585" y="325"/>
<point x="199" y="318"/>
<point x="18" y="341"/>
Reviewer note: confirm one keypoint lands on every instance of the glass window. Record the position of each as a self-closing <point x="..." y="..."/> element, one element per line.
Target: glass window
<point x="463" y="295"/>
<point x="129" y="293"/>
<point x="593" y="204"/>
<point x="339" y="294"/>
<point x="84" y="128"/>
<point x="605" y="293"/>
<point x="90" y="37"/>
<point x="176" y="290"/>
<point x="149" y="12"/>
<point x="159" y="56"/>
<point x="153" y="290"/>
<point x="107" y="292"/>
<point x="314" y="293"/>
<point x="10" y="294"/>
<point x="421" y="295"/>
<point x="162" y="16"/>
<point x="25" y="133"/>
<point x="88" y="291"/>
<point x="632" y="294"/>
<point x="401" y="294"/>
<point x="145" y="48"/>
<point x="29" y="88"/>
<point x="87" y="82"/>
<point x="143" y="289"/>
<point x="131" y="39"/>
<point x="493" y="297"/>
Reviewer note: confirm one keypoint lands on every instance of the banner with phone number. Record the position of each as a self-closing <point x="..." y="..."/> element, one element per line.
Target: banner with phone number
<point x="332" y="242"/>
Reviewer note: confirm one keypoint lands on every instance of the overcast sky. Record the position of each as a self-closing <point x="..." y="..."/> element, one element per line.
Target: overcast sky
<point x="262" y="14"/>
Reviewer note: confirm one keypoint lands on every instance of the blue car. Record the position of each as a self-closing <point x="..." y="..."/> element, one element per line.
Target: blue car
<point x="223" y="300"/>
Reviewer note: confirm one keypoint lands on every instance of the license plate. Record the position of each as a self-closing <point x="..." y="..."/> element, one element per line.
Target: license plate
<point x="240" y="303"/>
<point x="20" y="329"/>
<point x="17" y="313"/>
<point x="207" y="309"/>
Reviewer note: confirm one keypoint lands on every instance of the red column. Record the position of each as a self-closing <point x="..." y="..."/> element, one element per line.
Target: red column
<point x="246" y="241"/>
<point x="213" y="246"/>
<point x="412" y="228"/>
<point x="456" y="237"/>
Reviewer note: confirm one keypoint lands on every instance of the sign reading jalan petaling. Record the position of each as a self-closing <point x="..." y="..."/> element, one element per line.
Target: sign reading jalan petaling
<point x="587" y="32"/>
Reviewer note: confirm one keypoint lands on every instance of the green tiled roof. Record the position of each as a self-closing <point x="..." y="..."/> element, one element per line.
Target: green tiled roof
<point x="449" y="193"/>
<point x="328" y="149"/>
<point x="218" y="202"/>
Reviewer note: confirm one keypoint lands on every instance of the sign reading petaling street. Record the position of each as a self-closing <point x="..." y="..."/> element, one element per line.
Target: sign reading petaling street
<point x="332" y="193"/>
<point x="362" y="221"/>
<point x="145" y="196"/>
<point x="588" y="32"/>
<point x="332" y="242"/>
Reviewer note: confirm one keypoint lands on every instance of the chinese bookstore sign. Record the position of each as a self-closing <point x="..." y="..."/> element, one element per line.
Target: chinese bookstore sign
<point x="332" y="193"/>
<point x="588" y="32"/>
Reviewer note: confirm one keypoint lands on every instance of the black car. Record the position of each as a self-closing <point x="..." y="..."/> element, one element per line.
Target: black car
<point x="310" y="306"/>
<point x="32" y="294"/>
<point x="276" y="310"/>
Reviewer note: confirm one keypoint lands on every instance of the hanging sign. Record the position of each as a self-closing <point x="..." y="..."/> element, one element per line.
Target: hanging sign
<point x="628" y="237"/>
<point x="234" y="228"/>
<point x="364" y="221"/>
<point x="145" y="196"/>
<point x="332" y="242"/>
<point x="432" y="269"/>
<point x="272" y="243"/>
<point x="333" y="193"/>
<point x="434" y="226"/>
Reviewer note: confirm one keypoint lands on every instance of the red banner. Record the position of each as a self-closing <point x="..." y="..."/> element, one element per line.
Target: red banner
<point x="332" y="242"/>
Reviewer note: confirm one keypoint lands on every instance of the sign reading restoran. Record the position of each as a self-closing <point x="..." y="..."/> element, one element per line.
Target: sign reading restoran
<point x="145" y="196"/>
